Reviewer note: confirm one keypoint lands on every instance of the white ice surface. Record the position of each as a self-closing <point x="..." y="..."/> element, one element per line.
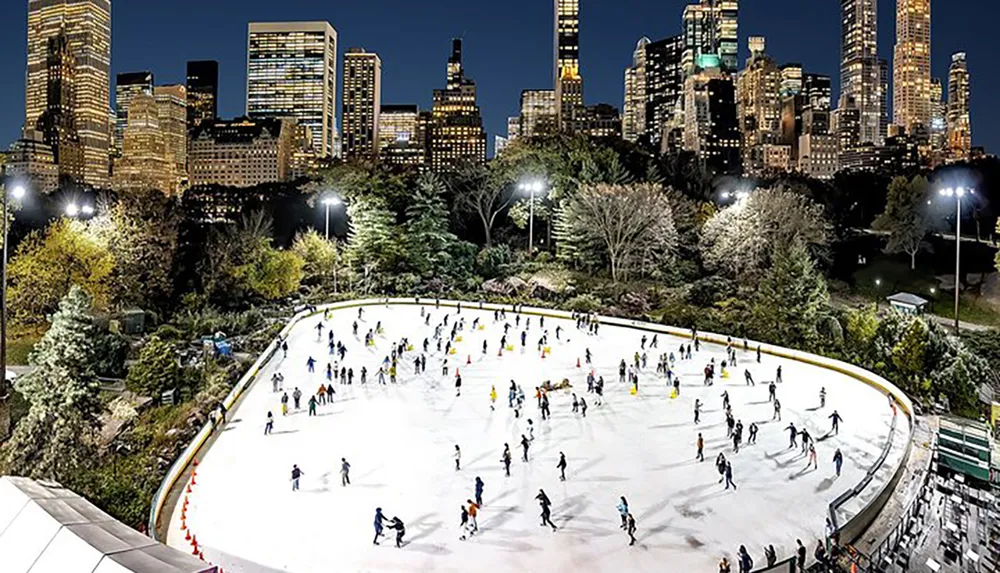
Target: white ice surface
<point x="400" y="439"/>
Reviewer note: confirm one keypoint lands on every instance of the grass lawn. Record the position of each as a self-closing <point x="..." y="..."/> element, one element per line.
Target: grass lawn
<point x="20" y="346"/>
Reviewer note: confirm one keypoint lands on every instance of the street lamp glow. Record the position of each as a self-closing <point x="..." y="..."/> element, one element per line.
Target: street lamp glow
<point x="18" y="192"/>
<point x="933" y="290"/>
<point x="878" y="282"/>
<point x="960" y="191"/>
<point x="742" y="195"/>
<point x="87" y="210"/>
<point x="531" y="188"/>
<point x="72" y="210"/>
<point x="331" y="201"/>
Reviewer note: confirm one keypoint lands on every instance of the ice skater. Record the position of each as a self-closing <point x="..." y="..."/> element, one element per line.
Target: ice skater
<point x="473" y="512"/>
<point x="812" y="457"/>
<point x="792" y="434"/>
<point x="505" y="459"/>
<point x="296" y="475"/>
<point x="576" y="404"/>
<point x="269" y="425"/>
<point x="697" y="410"/>
<point x="458" y="458"/>
<point x="583" y="407"/>
<point x="777" y="410"/>
<point x="379" y="524"/>
<point x="838" y="460"/>
<point x="729" y="476"/>
<point x="345" y="473"/>
<point x="748" y="377"/>
<point x="822" y="397"/>
<point x="546" y="505"/>
<point x="836" y="419"/>
<point x="561" y="466"/>
<point x="493" y="397"/>
<point x="400" y="528"/>
<point x="700" y="456"/>
<point x="311" y="364"/>
<point x="312" y="405"/>
<point x="297" y="397"/>
<point x="479" y="491"/>
<point x="752" y="439"/>
<point x="622" y="508"/>
<point x="284" y="404"/>
<point x="777" y="376"/>
<point x="524" y="446"/>
<point x="630" y="529"/>
<point x="720" y="466"/>
<point x="771" y="389"/>
<point x="745" y="562"/>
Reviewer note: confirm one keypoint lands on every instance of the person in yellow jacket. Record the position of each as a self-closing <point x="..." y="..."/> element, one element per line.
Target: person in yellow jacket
<point x="493" y="397"/>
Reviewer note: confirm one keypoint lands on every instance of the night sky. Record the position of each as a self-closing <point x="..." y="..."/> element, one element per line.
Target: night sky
<point x="508" y="45"/>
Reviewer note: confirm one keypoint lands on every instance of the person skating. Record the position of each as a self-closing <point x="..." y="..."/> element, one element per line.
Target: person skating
<point x="758" y="354"/>
<point x="531" y="431"/>
<point x="836" y="419"/>
<point x="599" y="390"/>
<point x="561" y="466"/>
<point x="400" y="528"/>
<point x="729" y="476"/>
<point x="583" y="407"/>
<point x="379" y="524"/>
<point x="630" y="529"/>
<point x="800" y="553"/>
<point x="296" y="475"/>
<point x="576" y="404"/>
<point x="748" y="377"/>
<point x="329" y="393"/>
<point x="312" y="405"/>
<point x="771" y="389"/>
<point x="524" y="447"/>
<point x="269" y="425"/>
<point x="479" y="491"/>
<point x="820" y="554"/>
<point x="822" y="397"/>
<point x="284" y="349"/>
<point x="838" y="460"/>
<point x="546" y="413"/>
<point x="464" y="524"/>
<point x="792" y="434"/>
<point x="458" y="458"/>
<point x="321" y="394"/>
<point x="725" y="399"/>
<point x="697" y="410"/>
<point x="345" y="473"/>
<point x="770" y="555"/>
<point x="720" y="466"/>
<point x="777" y="410"/>
<point x="622" y="508"/>
<point x="493" y="397"/>
<point x="812" y="457"/>
<point x="724" y="566"/>
<point x="511" y="394"/>
<point x="473" y="512"/>
<point x="284" y="404"/>
<point x="505" y="459"/>
<point x="752" y="439"/>
<point x="700" y="456"/>
<point x="311" y="364"/>
<point x="546" y="504"/>
<point x="777" y="376"/>
<point x="296" y="397"/>
<point x="458" y="384"/>
<point x="746" y="563"/>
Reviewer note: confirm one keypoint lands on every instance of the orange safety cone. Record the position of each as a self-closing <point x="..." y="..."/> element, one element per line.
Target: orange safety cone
<point x="193" y="482"/>
<point x="184" y="523"/>
<point x="201" y="555"/>
<point x="185" y="501"/>
<point x="194" y="541"/>
<point x="577" y="362"/>
<point x="189" y="487"/>
<point x="184" y="513"/>
<point x="187" y="536"/>
<point x="195" y="462"/>
<point x="469" y="360"/>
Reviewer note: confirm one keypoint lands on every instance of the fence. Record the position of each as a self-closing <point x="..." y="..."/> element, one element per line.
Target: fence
<point x="849" y="530"/>
<point x="786" y="566"/>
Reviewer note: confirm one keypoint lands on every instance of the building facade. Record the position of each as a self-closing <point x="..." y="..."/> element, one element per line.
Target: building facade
<point x="202" y="91"/>
<point x="758" y="106"/>
<point x="457" y="134"/>
<point x="711" y="126"/>
<point x="859" y="65"/>
<point x="87" y="27"/>
<point x="959" y="120"/>
<point x="538" y="113"/>
<point x="634" y="114"/>
<point x="292" y="73"/>
<point x="402" y="140"/>
<point x="711" y="28"/>
<point x="127" y="86"/>
<point x="911" y="66"/>
<point x="171" y="105"/>
<point x="664" y="88"/>
<point x="146" y="161"/>
<point x="819" y="155"/>
<point x="57" y="123"/>
<point x="243" y="152"/>
<point x="31" y="162"/>
<point x="567" y="79"/>
<point x="362" y="100"/>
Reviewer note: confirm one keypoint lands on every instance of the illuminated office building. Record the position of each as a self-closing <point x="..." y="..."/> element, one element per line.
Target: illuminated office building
<point x="568" y="81"/>
<point x="634" y="115"/>
<point x="860" y="72"/>
<point x="710" y="28"/>
<point x="538" y="113"/>
<point x="146" y="161"/>
<point x="758" y="105"/>
<point x="361" y="103"/>
<point x="959" y="121"/>
<point x="171" y="105"/>
<point x="127" y="86"/>
<point x="664" y="88"/>
<point x="202" y="91"/>
<point x="57" y="123"/>
<point x="292" y="72"/>
<point x="243" y="152"/>
<point x="87" y="27"/>
<point x="402" y="136"/>
<point x="911" y="66"/>
<point x="456" y="133"/>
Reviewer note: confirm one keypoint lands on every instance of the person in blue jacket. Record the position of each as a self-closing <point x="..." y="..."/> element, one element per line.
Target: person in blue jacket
<point x="379" y="520"/>
<point x="623" y="511"/>
<point x="479" y="491"/>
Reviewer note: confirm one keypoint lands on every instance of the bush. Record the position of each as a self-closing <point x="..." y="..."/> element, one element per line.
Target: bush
<point x="710" y="290"/>
<point x="584" y="303"/>
<point x="156" y="371"/>
<point x="110" y="352"/>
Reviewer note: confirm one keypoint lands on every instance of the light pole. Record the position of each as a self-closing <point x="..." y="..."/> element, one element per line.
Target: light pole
<point x="329" y="202"/>
<point x="76" y="211"/>
<point x="531" y="187"/>
<point x="18" y="193"/>
<point x="878" y="283"/>
<point x="957" y="193"/>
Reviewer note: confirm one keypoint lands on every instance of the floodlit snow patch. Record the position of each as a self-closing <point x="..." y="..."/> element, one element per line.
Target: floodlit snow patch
<point x="400" y="439"/>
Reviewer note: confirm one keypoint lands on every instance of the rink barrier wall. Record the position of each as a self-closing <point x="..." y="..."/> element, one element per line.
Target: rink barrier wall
<point x="847" y="531"/>
<point x="783" y="566"/>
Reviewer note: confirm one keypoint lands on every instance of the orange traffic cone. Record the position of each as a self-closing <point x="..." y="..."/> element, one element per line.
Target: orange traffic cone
<point x="201" y="555"/>
<point x="185" y="502"/>
<point x="187" y="536"/>
<point x="183" y="513"/>
<point x="194" y="543"/>
<point x="183" y="523"/>
<point x="193" y="482"/>
<point x="189" y="487"/>
<point x="469" y="360"/>
<point x="577" y="362"/>
<point x="195" y="462"/>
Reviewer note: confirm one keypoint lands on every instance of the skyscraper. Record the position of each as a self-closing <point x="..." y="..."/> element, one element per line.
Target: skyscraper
<point x="911" y="66"/>
<point x="145" y="162"/>
<point x="859" y="66"/>
<point x="791" y="79"/>
<point x="292" y="72"/>
<point x="202" y="91"/>
<point x="87" y="27"/>
<point x="127" y="86"/>
<point x="711" y="127"/>
<point x="758" y="103"/>
<point x="171" y="105"/>
<point x="634" y="116"/>
<point x="939" y="122"/>
<point x="664" y="88"/>
<point x="402" y="139"/>
<point x="883" y="99"/>
<point x="568" y="82"/>
<point x="711" y="29"/>
<point x="57" y="123"/>
<point x="362" y="100"/>
<point x="538" y="113"/>
<point x="959" y="122"/>
<point x="456" y="131"/>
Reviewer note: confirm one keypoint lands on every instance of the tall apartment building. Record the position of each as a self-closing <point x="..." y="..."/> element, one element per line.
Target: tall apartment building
<point x="457" y="133"/>
<point x="911" y="66"/>
<point x="859" y="65"/>
<point x="146" y="161"/>
<point x="402" y="137"/>
<point x="87" y="27"/>
<point x="817" y="91"/>
<point x="361" y="102"/>
<point x="758" y="105"/>
<point x="711" y="29"/>
<point x="791" y="79"/>
<point x="292" y="72"/>
<point x="634" y="111"/>
<point x="711" y="126"/>
<point x="568" y="81"/>
<point x="202" y="91"/>
<point x="538" y="113"/>
<point x="127" y="86"/>
<point x="30" y="160"/>
<point x="243" y="152"/>
<point x="664" y="88"/>
<point x="57" y="123"/>
<point x="959" y="120"/>
<point x="171" y="105"/>
<point x="939" y="121"/>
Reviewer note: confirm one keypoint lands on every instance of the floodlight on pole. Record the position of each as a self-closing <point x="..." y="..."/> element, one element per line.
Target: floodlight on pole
<point x="531" y="187"/>
<point x="72" y="209"/>
<point x="957" y="193"/>
<point x="330" y="201"/>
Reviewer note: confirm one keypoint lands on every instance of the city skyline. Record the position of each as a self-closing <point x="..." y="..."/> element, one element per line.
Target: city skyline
<point x="608" y="36"/>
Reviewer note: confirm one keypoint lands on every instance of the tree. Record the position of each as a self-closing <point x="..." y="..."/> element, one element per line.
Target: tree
<point x="268" y="272"/>
<point x="371" y="243"/>
<point x="908" y="354"/>
<point x="742" y="239"/>
<point x="63" y="396"/>
<point x="791" y="298"/>
<point x="428" y="239"/>
<point x="905" y="218"/>
<point x="482" y="193"/>
<point x="48" y="262"/>
<point x="321" y="259"/>
<point x="631" y="225"/>
<point x="156" y="371"/>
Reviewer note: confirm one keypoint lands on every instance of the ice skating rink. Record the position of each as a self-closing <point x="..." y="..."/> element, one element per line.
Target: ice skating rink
<point x="399" y="440"/>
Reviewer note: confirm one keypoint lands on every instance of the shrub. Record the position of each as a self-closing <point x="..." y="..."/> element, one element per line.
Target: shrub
<point x="584" y="303"/>
<point x="156" y="371"/>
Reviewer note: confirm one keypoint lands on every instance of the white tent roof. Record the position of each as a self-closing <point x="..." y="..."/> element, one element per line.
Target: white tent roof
<point x="45" y="528"/>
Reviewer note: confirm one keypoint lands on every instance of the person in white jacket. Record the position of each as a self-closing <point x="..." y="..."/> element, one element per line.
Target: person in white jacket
<point x="458" y="458"/>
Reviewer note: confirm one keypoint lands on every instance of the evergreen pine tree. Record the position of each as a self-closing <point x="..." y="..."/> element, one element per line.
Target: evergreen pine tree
<point x="792" y="297"/>
<point x="428" y="239"/>
<point x="370" y="242"/>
